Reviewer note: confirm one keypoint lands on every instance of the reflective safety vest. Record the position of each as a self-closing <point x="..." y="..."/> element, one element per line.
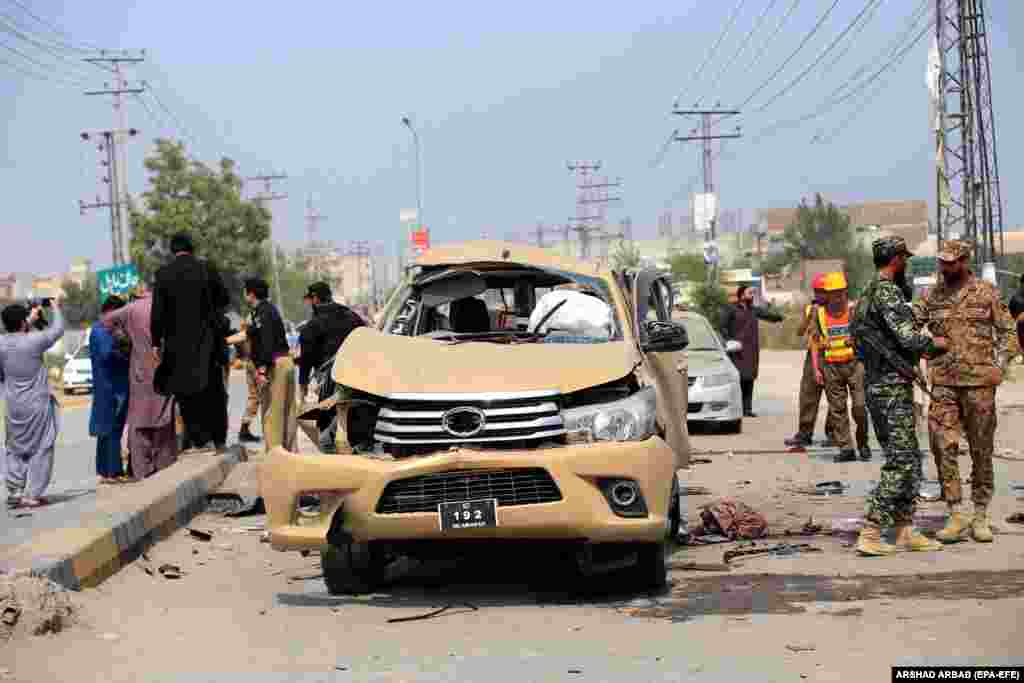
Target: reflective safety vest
<point x="836" y="330"/>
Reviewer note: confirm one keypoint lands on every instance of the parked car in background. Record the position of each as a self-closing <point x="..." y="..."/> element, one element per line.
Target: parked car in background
<point x="714" y="382"/>
<point x="77" y="374"/>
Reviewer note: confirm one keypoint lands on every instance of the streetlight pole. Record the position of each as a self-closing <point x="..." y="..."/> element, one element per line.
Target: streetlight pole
<point x="407" y="122"/>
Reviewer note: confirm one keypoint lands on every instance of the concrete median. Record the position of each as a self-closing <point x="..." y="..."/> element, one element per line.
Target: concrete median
<point x="124" y="521"/>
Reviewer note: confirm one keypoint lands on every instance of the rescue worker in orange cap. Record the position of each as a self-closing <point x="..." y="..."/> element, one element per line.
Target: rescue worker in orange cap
<point x="837" y="369"/>
<point x="810" y="390"/>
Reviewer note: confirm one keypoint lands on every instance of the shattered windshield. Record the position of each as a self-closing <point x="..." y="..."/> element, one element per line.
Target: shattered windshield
<point x="514" y="304"/>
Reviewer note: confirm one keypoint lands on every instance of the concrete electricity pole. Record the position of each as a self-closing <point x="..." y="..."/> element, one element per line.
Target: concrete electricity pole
<point x="586" y="223"/>
<point x="267" y="196"/>
<point x="706" y="137"/>
<point x="119" y="247"/>
<point x="120" y="164"/>
<point x="313" y="217"/>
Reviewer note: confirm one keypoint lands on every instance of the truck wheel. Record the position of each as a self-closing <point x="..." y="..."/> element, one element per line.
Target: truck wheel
<point x="351" y="569"/>
<point x="674" y="515"/>
<point x="651" y="571"/>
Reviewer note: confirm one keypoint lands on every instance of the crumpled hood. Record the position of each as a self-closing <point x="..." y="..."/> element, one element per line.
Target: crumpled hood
<point x="382" y="364"/>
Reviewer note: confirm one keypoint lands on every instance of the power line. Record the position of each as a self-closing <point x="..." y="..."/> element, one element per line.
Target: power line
<point x="831" y="46"/>
<point x="725" y="31"/>
<point x="770" y="40"/>
<point x="853" y="40"/>
<point x="39" y="77"/>
<point x="54" y="28"/>
<point x="12" y="29"/>
<point x="745" y="42"/>
<point x="792" y="56"/>
<point x="182" y="129"/>
<point x="46" y="67"/>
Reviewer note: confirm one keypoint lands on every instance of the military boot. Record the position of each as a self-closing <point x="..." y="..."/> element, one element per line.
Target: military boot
<point x="870" y="542"/>
<point x="956" y="526"/>
<point x="866" y="454"/>
<point x="980" y="529"/>
<point x="907" y="538"/>
<point x="846" y="455"/>
<point x="246" y="436"/>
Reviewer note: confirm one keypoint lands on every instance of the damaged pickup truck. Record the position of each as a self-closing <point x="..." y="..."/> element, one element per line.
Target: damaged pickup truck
<point x="509" y="398"/>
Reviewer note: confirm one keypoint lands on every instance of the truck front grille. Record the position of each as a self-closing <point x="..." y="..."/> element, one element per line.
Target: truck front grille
<point x="518" y="486"/>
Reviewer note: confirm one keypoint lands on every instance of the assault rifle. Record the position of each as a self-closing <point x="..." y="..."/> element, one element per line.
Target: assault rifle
<point x="902" y="367"/>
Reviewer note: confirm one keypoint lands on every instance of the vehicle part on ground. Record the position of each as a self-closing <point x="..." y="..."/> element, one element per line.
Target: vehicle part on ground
<point x="780" y="549"/>
<point x="352" y="568"/>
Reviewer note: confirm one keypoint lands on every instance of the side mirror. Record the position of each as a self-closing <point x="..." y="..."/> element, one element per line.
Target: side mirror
<point x="665" y="337"/>
<point x="732" y="346"/>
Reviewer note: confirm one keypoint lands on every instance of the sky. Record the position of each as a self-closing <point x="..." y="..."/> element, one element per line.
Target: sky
<point x="503" y="95"/>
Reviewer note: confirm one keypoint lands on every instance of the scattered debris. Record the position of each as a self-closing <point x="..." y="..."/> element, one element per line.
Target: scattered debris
<point x="201" y="535"/>
<point x="830" y="487"/>
<point x="249" y="528"/>
<point x="575" y="671"/>
<point x="263" y="612"/>
<point x="801" y="648"/>
<point x="733" y="519"/>
<point x="701" y="567"/>
<point x="431" y="615"/>
<point x="743" y="482"/>
<point x="170" y="571"/>
<point x="310" y="577"/>
<point x="708" y="539"/>
<point x="341" y="668"/>
<point x="33" y="605"/>
<point x="265" y="537"/>
<point x="700" y="461"/>
<point x="234" y="505"/>
<point x="110" y="636"/>
<point x="782" y="549"/>
<point x="1016" y="518"/>
<point x="694" y="491"/>
<point x="224" y="546"/>
<point x="10" y="616"/>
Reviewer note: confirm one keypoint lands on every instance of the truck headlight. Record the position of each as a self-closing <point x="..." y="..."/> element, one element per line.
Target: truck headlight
<point x="629" y="419"/>
<point x="719" y="379"/>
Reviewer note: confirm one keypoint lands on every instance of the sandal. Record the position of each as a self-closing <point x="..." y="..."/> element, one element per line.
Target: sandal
<point x="32" y="502"/>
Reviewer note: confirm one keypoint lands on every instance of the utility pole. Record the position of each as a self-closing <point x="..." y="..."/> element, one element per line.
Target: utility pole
<point x="313" y="217"/>
<point x="541" y="230"/>
<point x="587" y="223"/>
<point x="969" y="199"/>
<point x="707" y="160"/>
<point x="119" y="160"/>
<point x="119" y="247"/>
<point x="361" y="251"/>
<point x="268" y="195"/>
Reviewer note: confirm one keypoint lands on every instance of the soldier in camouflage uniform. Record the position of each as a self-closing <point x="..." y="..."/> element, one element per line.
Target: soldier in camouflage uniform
<point x="889" y="341"/>
<point x="966" y="310"/>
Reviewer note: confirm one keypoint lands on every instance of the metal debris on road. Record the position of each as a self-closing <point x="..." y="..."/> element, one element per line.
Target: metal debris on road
<point x="782" y="549"/>
<point x="170" y="571"/>
<point x="801" y="648"/>
<point x="200" y="535"/>
<point x="435" y="613"/>
<point x="1016" y="518"/>
<point x="10" y="616"/>
<point x="310" y="577"/>
<point x="700" y="461"/>
<point x="694" y="491"/>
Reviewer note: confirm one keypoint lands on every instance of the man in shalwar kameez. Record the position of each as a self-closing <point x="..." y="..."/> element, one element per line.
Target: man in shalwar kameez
<point x="33" y="415"/>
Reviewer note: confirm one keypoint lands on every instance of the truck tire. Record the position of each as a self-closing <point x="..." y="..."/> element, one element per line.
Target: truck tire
<point x="651" y="570"/>
<point x="352" y="569"/>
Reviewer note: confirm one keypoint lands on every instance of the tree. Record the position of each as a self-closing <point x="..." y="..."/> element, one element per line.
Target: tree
<point x="625" y="256"/>
<point x="688" y="267"/>
<point x="187" y="196"/>
<point x="81" y="303"/>
<point x="823" y="231"/>
<point x="710" y="298"/>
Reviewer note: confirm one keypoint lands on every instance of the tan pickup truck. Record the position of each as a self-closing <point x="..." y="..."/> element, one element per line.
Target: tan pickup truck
<point x="493" y="409"/>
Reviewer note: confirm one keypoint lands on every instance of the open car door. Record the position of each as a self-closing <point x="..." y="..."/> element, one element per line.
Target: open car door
<point x="651" y="304"/>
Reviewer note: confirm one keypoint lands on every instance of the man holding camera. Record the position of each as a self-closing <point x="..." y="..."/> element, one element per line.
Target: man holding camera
<point x="33" y="419"/>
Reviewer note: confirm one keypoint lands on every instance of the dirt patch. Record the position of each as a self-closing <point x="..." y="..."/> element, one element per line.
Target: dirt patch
<point x="33" y="606"/>
<point x="788" y="594"/>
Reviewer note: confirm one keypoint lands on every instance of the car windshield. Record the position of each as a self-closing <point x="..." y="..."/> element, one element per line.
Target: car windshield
<point x="462" y="304"/>
<point x="702" y="337"/>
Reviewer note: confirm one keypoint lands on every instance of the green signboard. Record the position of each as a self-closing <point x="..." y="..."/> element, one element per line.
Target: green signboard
<point x="119" y="280"/>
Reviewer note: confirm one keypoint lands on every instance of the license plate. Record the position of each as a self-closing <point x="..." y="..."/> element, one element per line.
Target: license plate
<point x="470" y="514"/>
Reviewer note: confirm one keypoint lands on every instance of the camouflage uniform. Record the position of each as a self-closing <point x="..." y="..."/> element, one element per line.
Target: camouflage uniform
<point x="964" y="380"/>
<point x="884" y="314"/>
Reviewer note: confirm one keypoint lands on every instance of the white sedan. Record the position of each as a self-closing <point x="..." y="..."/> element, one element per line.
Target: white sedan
<point x="78" y="371"/>
<point x="714" y="382"/>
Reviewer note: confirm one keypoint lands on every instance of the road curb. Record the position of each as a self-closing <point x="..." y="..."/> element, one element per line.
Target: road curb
<point x="86" y="556"/>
